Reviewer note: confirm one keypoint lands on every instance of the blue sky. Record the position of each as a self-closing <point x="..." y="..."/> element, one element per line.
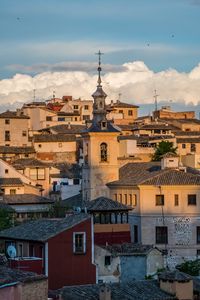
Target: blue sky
<point x="162" y="33"/>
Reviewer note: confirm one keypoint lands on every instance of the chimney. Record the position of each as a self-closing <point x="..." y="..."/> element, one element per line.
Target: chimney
<point x="104" y="292"/>
<point x="177" y="283"/>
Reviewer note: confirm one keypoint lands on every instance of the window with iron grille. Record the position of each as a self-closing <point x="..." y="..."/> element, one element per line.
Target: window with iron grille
<point x="161" y="235"/>
<point x="160" y="200"/>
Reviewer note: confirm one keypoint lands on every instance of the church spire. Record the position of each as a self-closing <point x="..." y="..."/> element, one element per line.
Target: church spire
<point x="99" y="67"/>
<point x="99" y="106"/>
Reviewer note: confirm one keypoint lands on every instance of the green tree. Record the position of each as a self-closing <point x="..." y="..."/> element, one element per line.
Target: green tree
<point x="191" y="267"/>
<point x="58" y="210"/>
<point x="6" y="218"/>
<point x="163" y="148"/>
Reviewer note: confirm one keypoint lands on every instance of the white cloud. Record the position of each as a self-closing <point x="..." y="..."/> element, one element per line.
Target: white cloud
<point x="134" y="80"/>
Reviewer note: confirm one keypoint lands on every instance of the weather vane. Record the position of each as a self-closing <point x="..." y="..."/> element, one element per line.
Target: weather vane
<point x="99" y="67"/>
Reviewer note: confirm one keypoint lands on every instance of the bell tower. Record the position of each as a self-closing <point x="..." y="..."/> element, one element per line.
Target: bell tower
<point x="100" y="147"/>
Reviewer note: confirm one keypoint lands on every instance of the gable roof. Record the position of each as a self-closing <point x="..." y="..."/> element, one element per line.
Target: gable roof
<point x="132" y="290"/>
<point x="129" y="249"/>
<point x="28" y="162"/>
<point x="105" y="204"/>
<point x="120" y="104"/>
<point x="96" y="127"/>
<point x="11" y="182"/>
<point x="13" y="115"/>
<point x="46" y="138"/>
<point x="16" y="150"/>
<point x="134" y="174"/>
<point x="26" y="199"/>
<point x="43" y="229"/>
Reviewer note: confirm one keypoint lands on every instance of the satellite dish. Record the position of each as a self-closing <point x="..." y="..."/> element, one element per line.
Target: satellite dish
<point x="11" y="251"/>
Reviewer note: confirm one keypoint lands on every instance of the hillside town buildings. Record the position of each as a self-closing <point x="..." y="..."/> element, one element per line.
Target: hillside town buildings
<point x="80" y="173"/>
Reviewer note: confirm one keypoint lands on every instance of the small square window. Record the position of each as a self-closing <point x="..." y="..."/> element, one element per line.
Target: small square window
<point x="192" y="199"/>
<point x="160" y="200"/>
<point x="86" y="107"/>
<point x="120" y="111"/>
<point x="24" y="133"/>
<point x="7" y="121"/>
<point x="183" y="146"/>
<point x="130" y="112"/>
<point x="6" y="171"/>
<point x="79" y="242"/>
<point x="107" y="260"/>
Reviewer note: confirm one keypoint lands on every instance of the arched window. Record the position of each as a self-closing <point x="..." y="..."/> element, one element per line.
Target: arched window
<point x="104" y="152"/>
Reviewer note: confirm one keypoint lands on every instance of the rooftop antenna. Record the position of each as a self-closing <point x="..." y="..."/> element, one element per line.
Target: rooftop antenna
<point x="54" y="95"/>
<point x="156" y="100"/>
<point x="34" y="90"/>
<point x="99" y="67"/>
<point x="119" y="97"/>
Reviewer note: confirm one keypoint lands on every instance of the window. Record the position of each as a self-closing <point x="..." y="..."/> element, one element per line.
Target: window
<point x="7" y="121"/>
<point x="20" y="250"/>
<point x="107" y="260"/>
<point x="75" y="106"/>
<point x="40" y="146"/>
<point x="60" y="145"/>
<point x="31" y="251"/>
<point x="24" y="133"/>
<point x="135" y="234"/>
<point x="125" y="199"/>
<point x="130" y="112"/>
<point x="130" y="200"/>
<point x="86" y="117"/>
<point x="76" y="181"/>
<point x="183" y="146"/>
<point x="115" y="197"/>
<point x="37" y="174"/>
<point x="193" y="147"/>
<point x="48" y="118"/>
<point x="120" y="198"/>
<point x="79" y="242"/>
<point x="6" y="171"/>
<point x="86" y="107"/>
<point x="198" y="252"/>
<point x="176" y="200"/>
<point x="12" y="191"/>
<point x="61" y="119"/>
<point x="198" y="234"/>
<point x="161" y="235"/>
<point x="7" y="135"/>
<point x="104" y="150"/>
<point x="120" y="111"/>
<point x="160" y="200"/>
<point x="134" y="200"/>
<point x="192" y="199"/>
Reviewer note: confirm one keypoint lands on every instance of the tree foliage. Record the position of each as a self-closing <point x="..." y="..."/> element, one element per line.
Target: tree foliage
<point x="163" y="148"/>
<point x="58" y="210"/>
<point x="191" y="267"/>
<point x="6" y="218"/>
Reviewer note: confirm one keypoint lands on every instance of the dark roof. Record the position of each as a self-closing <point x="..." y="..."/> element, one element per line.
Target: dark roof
<point x="99" y="92"/>
<point x="74" y="201"/>
<point x="174" y="275"/>
<point x="129" y="249"/>
<point x="144" y="139"/>
<point x="160" y="126"/>
<point x="46" y="138"/>
<point x="5" y="206"/>
<point x="133" y="290"/>
<point x="187" y="133"/>
<point x="96" y="127"/>
<point x="126" y="127"/>
<point x="13" y="115"/>
<point x="68" y="129"/>
<point x="28" y="162"/>
<point x="188" y="140"/>
<point x="188" y="121"/>
<point x="11" y="181"/>
<point x="169" y="154"/>
<point x="43" y="229"/>
<point x="8" y="275"/>
<point x="16" y="150"/>
<point x="26" y="199"/>
<point x="67" y="170"/>
<point x="120" y="104"/>
<point x="63" y="113"/>
<point x="105" y="204"/>
<point x="133" y="174"/>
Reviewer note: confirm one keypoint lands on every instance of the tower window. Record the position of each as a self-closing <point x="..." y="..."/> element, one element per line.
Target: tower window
<point x="104" y="152"/>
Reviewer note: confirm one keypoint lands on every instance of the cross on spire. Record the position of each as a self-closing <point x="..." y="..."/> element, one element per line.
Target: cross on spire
<point x="99" y="67"/>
